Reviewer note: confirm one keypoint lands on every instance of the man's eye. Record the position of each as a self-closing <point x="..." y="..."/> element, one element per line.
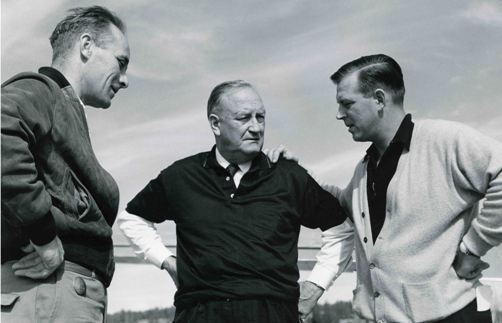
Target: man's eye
<point x="122" y="64"/>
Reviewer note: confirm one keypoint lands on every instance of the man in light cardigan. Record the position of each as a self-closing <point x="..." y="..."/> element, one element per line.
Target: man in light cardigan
<point x="413" y="204"/>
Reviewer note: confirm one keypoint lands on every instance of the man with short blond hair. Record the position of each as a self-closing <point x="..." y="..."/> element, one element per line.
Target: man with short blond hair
<point x="413" y="205"/>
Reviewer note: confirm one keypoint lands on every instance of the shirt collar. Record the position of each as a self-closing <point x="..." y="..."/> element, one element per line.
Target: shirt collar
<point x="244" y="167"/>
<point x="260" y="162"/>
<point x="402" y="137"/>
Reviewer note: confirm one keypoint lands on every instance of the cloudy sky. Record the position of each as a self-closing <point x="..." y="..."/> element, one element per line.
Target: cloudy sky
<point x="450" y="53"/>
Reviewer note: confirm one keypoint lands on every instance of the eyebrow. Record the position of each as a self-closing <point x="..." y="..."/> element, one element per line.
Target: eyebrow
<point x="123" y="58"/>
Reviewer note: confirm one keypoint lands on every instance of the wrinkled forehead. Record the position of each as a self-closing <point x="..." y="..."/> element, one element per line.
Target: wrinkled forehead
<point x="244" y="99"/>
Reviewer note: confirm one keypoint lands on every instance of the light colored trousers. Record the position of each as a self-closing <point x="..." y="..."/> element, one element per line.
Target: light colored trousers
<point x="65" y="296"/>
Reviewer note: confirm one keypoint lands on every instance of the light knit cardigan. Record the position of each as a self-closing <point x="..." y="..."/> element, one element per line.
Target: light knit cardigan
<point x="432" y="204"/>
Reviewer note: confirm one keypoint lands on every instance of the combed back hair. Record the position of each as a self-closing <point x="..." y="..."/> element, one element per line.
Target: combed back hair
<point x="94" y="20"/>
<point x="218" y="92"/>
<point x="375" y="71"/>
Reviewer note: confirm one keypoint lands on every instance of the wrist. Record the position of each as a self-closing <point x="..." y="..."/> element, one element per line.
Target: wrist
<point x="168" y="263"/>
<point x="463" y="249"/>
<point x="315" y="285"/>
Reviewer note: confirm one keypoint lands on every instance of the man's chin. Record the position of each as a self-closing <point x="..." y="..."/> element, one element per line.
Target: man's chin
<point x="251" y="152"/>
<point x="102" y="105"/>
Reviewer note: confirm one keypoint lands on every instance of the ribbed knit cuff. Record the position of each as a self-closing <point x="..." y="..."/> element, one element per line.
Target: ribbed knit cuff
<point x="42" y="231"/>
<point x="475" y="244"/>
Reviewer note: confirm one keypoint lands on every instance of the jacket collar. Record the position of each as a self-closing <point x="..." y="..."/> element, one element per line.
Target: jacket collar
<point x="55" y="75"/>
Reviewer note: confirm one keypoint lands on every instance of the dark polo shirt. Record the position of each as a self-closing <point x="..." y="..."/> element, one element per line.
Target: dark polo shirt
<point x="236" y="243"/>
<point x="381" y="173"/>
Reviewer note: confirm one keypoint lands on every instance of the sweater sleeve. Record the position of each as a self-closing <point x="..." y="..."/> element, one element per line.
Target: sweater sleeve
<point x="27" y="107"/>
<point x="478" y="169"/>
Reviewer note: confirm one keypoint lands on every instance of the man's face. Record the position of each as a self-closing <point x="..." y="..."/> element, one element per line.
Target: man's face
<point x="359" y="113"/>
<point x="241" y="124"/>
<point x="105" y="71"/>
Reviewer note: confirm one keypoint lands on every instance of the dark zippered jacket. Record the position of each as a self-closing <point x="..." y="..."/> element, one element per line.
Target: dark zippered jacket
<point x="52" y="183"/>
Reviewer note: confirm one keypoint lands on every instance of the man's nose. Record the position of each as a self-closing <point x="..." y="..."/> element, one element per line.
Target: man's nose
<point x="255" y="125"/>
<point x="124" y="81"/>
<point x="341" y="113"/>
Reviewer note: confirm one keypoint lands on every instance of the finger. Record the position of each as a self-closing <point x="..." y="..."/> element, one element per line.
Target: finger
<point x="278" y="152"/>
<point x="483" y="265"/>
<point x="289" y="155"/>
<point x="463" y="274"/>
<point x="36" y="272"/>
<point x="28" y="248"/>
<point x="27" y="261"/>
<point x="474" y="275"/>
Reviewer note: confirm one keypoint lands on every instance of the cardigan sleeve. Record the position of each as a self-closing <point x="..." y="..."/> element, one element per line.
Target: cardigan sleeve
<point x="27" y="108"/>
<point x="477" y="168"/>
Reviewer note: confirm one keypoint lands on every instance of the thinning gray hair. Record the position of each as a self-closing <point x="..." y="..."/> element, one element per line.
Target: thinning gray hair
<point x="218" y="92"/>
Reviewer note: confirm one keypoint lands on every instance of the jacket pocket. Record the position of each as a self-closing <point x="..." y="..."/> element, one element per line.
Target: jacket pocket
<point x="72" y="198"/>
<point x="424" y="301"/>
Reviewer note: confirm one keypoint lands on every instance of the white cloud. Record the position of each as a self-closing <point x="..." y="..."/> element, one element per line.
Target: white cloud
<point x="489" y="13"/>
<point x="16" y="28"/>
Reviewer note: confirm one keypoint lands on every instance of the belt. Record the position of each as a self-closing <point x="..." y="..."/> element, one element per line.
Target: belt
<point x="79" y="269"/>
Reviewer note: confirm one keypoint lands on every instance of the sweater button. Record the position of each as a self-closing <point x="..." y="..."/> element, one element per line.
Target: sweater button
<point x="227" y="178"/>
<point x="365" y="239"/>
<point x="372" y="266"/>
<point x="363" y="215"/>
<point x="232" y="195"/>
<point x="376" y="294"/>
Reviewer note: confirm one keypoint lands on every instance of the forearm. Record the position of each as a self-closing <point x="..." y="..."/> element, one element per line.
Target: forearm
<point x="144" y="238"/>
<point x="335" y="255"/>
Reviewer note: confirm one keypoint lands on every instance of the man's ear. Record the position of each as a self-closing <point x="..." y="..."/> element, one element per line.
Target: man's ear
<point x="380" y="96"/>
<point x="86" y="46"/>
<point x="214" y="122"/>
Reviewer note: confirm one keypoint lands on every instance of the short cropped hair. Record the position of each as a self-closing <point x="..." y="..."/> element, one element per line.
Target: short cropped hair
<point x="375" y="71"/>
<point x="94" y="20"/>
<point x="218" y="92"/>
